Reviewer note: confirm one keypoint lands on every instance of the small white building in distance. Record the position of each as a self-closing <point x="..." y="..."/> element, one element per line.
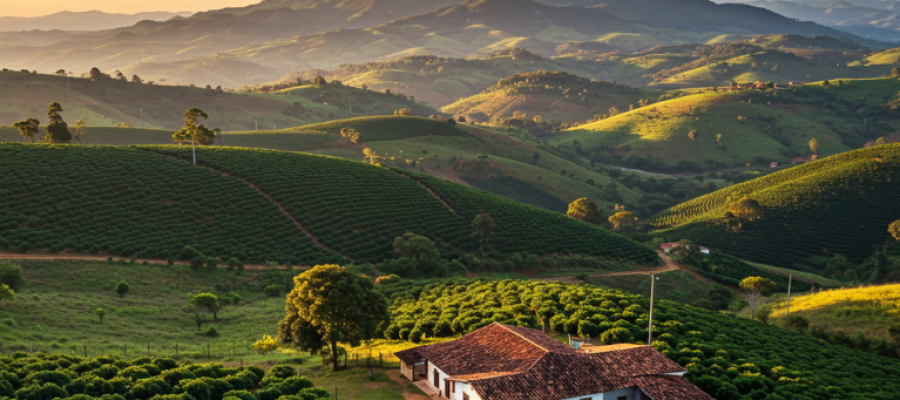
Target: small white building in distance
<point x="669" y="246"/>
<point x="503" y="362"/>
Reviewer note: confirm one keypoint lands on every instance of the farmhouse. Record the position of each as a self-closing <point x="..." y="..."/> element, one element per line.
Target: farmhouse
<point x="503" y="362"/>
<point x="667" y="247"/>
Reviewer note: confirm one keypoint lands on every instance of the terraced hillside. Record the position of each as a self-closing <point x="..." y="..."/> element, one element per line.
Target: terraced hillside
<point x="838" y="205"/>
<point x="258" y="206"/>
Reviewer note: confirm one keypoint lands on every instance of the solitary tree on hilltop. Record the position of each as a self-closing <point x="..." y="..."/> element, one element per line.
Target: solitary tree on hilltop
<point x="200" y="304"/>
<point x="28" y="128"/>
<point x="814" y="145"/>
<point x="96" y="74"/>
<point x="330" y="304"/>
<point x="194" y="132"/>
<point x="756" y="287"/>
<point x="371" y="156"/>
<point x="894" y="229"/>
<point x="585" y="210"/>
<point x="57" y="129"/>
<point x="61" y="72"/>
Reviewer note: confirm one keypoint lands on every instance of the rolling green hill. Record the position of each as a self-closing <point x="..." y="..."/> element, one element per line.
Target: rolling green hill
<point x="107" y="102"/>
<point x="757" y="127"/>
<point x="552" y="95"/>
<point x="840" y="205"/>
<point x="258" y="206"/>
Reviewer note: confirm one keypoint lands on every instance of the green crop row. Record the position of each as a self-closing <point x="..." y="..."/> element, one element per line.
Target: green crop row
<point x="839" y="205"/>
<point x="730" y="358"/>
<point x="43" y="377"/>
<point x="127" y="202"/>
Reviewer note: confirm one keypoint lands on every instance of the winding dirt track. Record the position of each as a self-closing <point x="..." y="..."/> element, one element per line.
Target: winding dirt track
<point x="669" y="266"/>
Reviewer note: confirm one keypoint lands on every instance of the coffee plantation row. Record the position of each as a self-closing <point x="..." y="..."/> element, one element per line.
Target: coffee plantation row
<point x="146" y="202"/>
<point x="838" y="205"/>
<point x="48" y="377"/>
<point x="362" y="209"/>
<point x="731" y="358"/>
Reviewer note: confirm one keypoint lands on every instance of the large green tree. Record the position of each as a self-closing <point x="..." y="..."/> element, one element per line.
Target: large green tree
<point x="754" y="288"/>
<point x="329" y="305"/>
<point x="194" y="132"/>
<point x="57" y="129"/>
<point x="200" y="304"/>
<point x="11" y="275"/>
<point x="28" y="128"/>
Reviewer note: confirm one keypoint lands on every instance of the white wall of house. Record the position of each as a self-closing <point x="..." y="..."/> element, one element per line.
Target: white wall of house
<point x="465" y="388"/>
<point x="631" y="393"/>
<point x="442" y="376"/>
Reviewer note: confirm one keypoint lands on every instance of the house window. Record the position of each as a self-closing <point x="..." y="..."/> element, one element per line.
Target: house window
<point x="437" y="379"/>
<point x="465" y="396"/>
<point x="447" y="388"/>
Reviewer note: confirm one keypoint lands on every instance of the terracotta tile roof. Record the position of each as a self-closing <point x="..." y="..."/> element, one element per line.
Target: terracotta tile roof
<point x="513" y="363"/>
<point x="494" y="348"/>
<point x="567" y="375"/>
<point x="669" y="387"/>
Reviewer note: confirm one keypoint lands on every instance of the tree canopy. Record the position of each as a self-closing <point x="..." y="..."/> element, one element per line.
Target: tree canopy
<point x="585" y="210"/>
<point x="194" y="131"/>
<point x="57" y="129"/>
<point x="28" y="128"/>
<point x="894" y="229"/>
<point x="483" y="226"/>
<point x="200" y="304"/>
<point x="622" y="219"/>
<point x="745" y="209"/>
<point x="755" y="287"/>
<point x="331" y="304"/>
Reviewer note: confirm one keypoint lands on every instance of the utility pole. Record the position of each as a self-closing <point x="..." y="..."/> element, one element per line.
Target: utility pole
<point x="790" y="280"/>
<point x="653" y="279"/>
<point x="194" y="148"/>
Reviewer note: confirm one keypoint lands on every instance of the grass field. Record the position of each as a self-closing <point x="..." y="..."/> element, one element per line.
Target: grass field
<point x="867" y="310"/>
<point x="55" y="310"/>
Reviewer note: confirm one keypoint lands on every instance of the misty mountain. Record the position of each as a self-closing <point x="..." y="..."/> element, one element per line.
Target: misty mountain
<point x="875" y="23"/>
<point x="82" y="21"/>
<point x="276" y="37"/>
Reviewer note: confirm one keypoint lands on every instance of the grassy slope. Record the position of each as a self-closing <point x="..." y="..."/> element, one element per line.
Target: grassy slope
<point x="358" y="209"/>
<point x="865" y="310"/>
<point x="55" y="309"/>
<point x="107" y="102"/>
<point x="570" y="101"/>
<point x="792" y="228"/>
<point x="766" y="66"/>
<point x="661" y="131"/>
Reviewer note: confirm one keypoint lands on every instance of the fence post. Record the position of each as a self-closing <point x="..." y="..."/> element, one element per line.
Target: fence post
<point x="85" y="351"/>
<point x="148" y="349"/>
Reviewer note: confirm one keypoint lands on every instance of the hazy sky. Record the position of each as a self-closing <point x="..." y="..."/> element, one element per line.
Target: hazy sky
<point x="33" y="8"/>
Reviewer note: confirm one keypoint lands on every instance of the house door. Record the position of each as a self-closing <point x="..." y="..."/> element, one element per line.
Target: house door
<point x="447" y="388"/>
<point x="437" y="379"/>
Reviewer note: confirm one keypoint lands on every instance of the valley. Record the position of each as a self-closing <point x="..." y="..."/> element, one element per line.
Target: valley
<point x="464" y="199"/>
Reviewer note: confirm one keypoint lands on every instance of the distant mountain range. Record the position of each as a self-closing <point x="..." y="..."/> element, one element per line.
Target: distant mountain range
<point x="265" y="41"/>
<point x="83" y="21"/>
<point x="871" y="19"/>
